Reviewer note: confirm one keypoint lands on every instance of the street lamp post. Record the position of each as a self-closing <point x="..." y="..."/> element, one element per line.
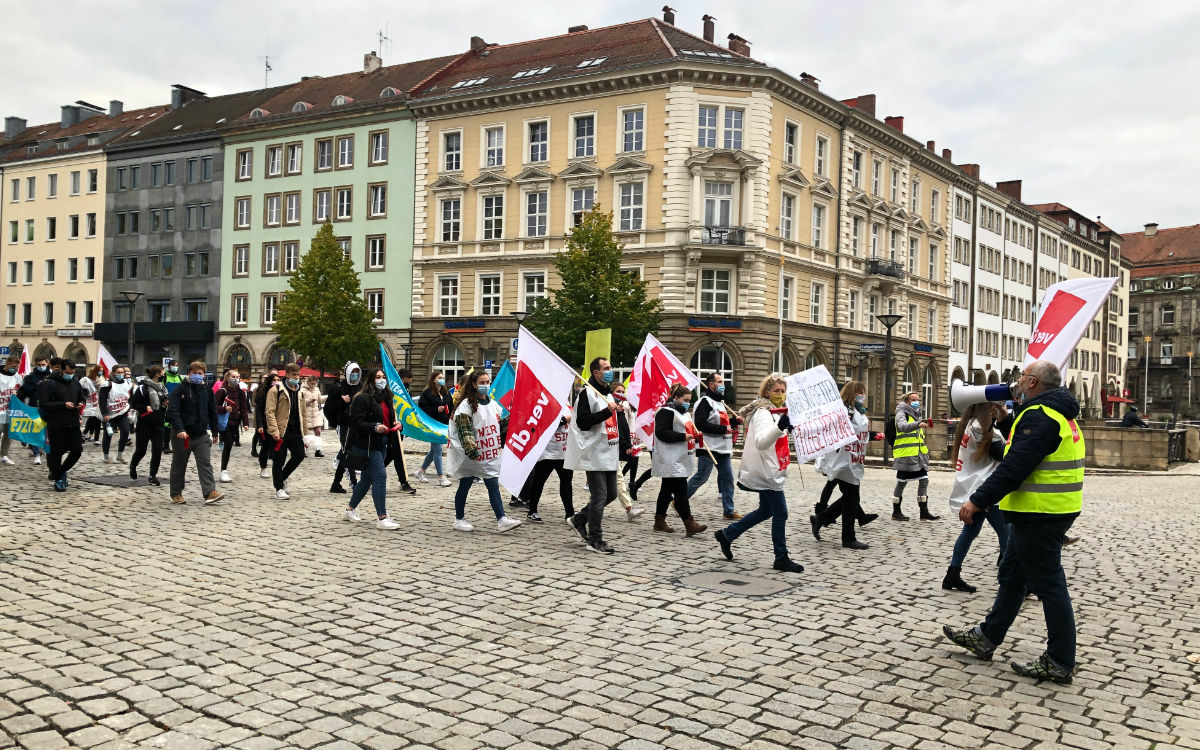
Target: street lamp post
<point x="1146" y="382"/>
<point x="1190" y="380"/>
<point x="131" y="297"/>
<point x="889" y="321"/>
<point x="407" y="349"/>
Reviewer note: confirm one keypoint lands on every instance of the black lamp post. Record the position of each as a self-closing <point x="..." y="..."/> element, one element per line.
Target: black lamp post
<point x="131" y="297"/>
<point x="407" y="349"/>
<point x="889" y="322"/>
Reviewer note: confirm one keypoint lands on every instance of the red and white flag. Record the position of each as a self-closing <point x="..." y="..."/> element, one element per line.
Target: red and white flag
<point x="674" y="370"/>
<point x="106" y="360"/>
<point x="23" y="368"/>
<point x="655" y="391"/>
<point x="1067" y="310"/>
<point x="541" y="389"/>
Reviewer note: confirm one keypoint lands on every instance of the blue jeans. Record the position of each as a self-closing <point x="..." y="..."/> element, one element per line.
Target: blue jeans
<point x="704" y="466"/>
<point x="773" y="505"/>
<point x="995" y="517"/>
<point x="1033" y="561"/>
<point x="493" y="490"/>
<point x="374" y="478"/>
<point x="433" y="456"/>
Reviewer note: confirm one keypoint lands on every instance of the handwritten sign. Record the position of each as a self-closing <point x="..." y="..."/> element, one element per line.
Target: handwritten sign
<point x="818" y="417"/>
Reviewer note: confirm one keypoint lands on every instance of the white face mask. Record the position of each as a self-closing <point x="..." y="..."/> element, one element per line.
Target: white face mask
<point x="381" y="383"/>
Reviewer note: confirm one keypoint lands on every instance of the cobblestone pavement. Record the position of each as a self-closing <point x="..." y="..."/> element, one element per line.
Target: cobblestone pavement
<point x="126" y="621"/>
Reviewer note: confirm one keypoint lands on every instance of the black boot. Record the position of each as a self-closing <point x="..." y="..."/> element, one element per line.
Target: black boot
<point x="815" y="520"/>
<point x="896" y="514"/>
<point x="854" y="544"/>
<point x="923" y="502"/>
<point x="337" y="489"/>
<point x="954" y="582"/>
<point x="866" y="518"/>
<point x="785" y="565"/>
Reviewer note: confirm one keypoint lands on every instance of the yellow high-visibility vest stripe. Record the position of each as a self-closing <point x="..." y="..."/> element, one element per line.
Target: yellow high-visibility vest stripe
<point x="1056" y="485"/>
<point x="910" y="443"/>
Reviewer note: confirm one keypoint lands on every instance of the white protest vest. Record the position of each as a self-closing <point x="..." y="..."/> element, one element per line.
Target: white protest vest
<point x="91" y="405"/>
<point x="675" y="459"/>
<point x="118" y="398"/>
<point x="486" y="421"/>
<point x="968" y="472"/>
<point x="595" y="449"/>
<point x="846" y="463"/>
<point x="8" y="389"/>
<point x="556" y="449"/>
<point x="718" y="416"/>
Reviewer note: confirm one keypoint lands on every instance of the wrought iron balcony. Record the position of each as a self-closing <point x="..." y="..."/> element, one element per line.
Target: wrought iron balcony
<point x="881" y="267"/>
<point x="723" y="235"/>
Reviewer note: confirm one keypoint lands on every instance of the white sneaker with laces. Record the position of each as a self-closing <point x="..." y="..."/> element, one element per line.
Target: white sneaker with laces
<point x="37" y="460"/>
<point x="463" y="524"/>
<point x="507" y="524"/>
<point x="264" y="473"/>
<point x="282" y="495"/>
<point x="387" y="523"/>
<point x="633" y="513"/>
<point x="6" y="461"/>
<point x="443" y="482"/>
<point x="421" y="476"/>
<point x="225" y="477"/>
<point x="351" y="514"/>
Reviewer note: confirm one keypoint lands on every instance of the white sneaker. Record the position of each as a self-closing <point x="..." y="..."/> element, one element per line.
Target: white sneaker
<point x="282" y="495"/>
<point x="225" y="477"/>
<point x="443" y="482"/>
<point x="507" y="524"/>
<point x="633" y="513"/>
<point x="421" y="477"/>
<point x="387" y="523"/>
<point x="264" y="474"/>
<point x="107" y="460"/>
<point x="463" y="524"/>
<point x="351" y="514"/>
<point x="6" y="461"/>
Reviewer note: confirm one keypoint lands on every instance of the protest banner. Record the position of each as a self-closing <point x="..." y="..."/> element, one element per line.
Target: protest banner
<point x="672" y="369"/>
<point x="25" y="425"/>
<point x="1067" y="310"/>
<point x="596" y="343"/>
<point x="417" y="424"/>
<point x="819" y="420"/>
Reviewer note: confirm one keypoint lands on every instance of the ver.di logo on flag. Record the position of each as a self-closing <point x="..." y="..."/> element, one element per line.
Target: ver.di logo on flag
<point x="1057" y="315"/>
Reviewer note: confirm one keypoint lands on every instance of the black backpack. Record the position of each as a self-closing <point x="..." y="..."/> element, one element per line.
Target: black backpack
<point x="139" y="399"/>
<point x="889" y="430"/>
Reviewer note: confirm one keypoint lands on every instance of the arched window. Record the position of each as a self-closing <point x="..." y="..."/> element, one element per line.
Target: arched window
<point x="388" y="93"/>
<point x="449" y="359"/>
<point x="301" y="107"/>
<point x="910" y="377"/>
<point x="341" y="100"/>
<point x="280" y="357"/>
<point x="927" y="390"/>
<point x="258" y="112"/>
<point x="43" y="351"/>
<point x="711" y="359"/>
<point x="239" y="357"/>
<point x="811" y="360"/>
<point x="780" y="362"/>
<point x="76" y="353"/>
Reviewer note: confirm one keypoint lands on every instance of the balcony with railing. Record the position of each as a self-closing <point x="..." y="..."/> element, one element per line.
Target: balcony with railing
<point x="723" y="235"/>
<point x="890" y="268"/>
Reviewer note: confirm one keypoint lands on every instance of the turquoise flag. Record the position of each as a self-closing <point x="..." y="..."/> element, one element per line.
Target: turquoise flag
<point x="25" y="424"/>
<point x="417" y="424"/>
<point x="504" y="382"/>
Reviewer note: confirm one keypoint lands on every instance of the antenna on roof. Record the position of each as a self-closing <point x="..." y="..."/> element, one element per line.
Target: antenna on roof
<point x="382" y="37"/>
<point x="266" y="70"/>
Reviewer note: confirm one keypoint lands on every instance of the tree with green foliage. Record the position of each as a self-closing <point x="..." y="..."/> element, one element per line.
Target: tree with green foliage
<point x="324" y="316"/>
<point x="595" y="293"/>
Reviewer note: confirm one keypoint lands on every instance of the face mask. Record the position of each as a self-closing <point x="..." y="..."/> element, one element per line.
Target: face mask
<point x="197" y="378"/>
<point x="234" y="381"/>
<point x="9" y="371"/>
<point x="68" y="376"/>
<point x="683" y="406"/>
<point x="720" y="389"/>
<point x="294" y="382"/>
<point x="441" y="382"/>
<point x="173" y="370"/>
<point x="608" y="376"/>
<point x="915" y="404"/>
<point x="40" y="368"/>
<point x="618" y="397"/>
<point x="483" y="389"/>
<point x="860" y="400"/>
<point x="118" y="378"/>
<point x="381" y="383"/>
<point x="353" y="377"/>
<point x="777" y="399"/>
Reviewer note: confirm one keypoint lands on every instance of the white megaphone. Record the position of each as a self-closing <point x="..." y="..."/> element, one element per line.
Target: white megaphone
<point x="963" y="395"/>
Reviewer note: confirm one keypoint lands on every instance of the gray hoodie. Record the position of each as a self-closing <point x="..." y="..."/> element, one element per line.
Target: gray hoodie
<point x="919" y="462"/>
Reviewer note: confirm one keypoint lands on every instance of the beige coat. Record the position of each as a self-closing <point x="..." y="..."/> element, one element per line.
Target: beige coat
<point x="279" y="411"/>
<point x="312" y="404"/>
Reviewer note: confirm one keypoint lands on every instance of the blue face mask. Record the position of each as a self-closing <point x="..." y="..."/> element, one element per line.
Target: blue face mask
<point x="118" y="378"/>
<point x="916" y="405"/>
<point x="294" y="382"/>
<point x="608" y="376"/>
<point x="441" y="381"/>
<point x="483" y="389"/>
<point x="68" y="376"/>
<point x="720" y="389"/>
<point x="173" y="370"/>
<point x="41" y="368"/>
<point x="197" y="378"/>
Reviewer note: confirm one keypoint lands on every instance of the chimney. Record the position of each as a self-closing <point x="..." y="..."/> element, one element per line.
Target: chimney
<point x="864" y="104"/>
<point x="70" y="115"/>
<point x="182" y="95"/>
<point x="709" y="30"/>
<point x="895" y="121"/>
<point x="971" y="170"/>
<point x="577" y="29"/>
<point x="808" y="79"/>
<point x="372" y="62"/>
<point x="477" y="44"/>
<point x="668" y="15"/>
<point x="739" y="45"/>
<point x="929" y="145"/>
<point x="1151" y="228"/>
<point x="1011" y="188"/>
<point x="946" y="154"/>
<point x="14" y="126"/>
<point x="116" y="107"/>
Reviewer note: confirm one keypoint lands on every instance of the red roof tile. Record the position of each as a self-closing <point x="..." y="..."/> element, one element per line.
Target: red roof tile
<point x="14" y="149"/>
<point x="1180" y="245"/>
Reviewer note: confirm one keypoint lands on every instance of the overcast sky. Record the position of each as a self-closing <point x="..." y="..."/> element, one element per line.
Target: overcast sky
<point x="1093" y="103"/>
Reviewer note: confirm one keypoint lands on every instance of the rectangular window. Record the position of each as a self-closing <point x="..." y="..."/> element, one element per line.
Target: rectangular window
<point x="934" y="199"/>
<point x="856" y="225"/>
<point x="584" y="138"/>
<point x="818" y="225"/>
<point x="321" y="200"/>
<point x="539" y="142"/>
<point x="12" y="315"/>
<point x="714" y="290"/>
<point x="378" y="200"/>
<point x="816" y="304"/>
<point x="876" y="177"/>
<point x="241" y="260"/>
<point x="169" y="172"/>
<point x="893" y="241"/>
<point x="28" y="265"/>
<point x="155" y="267"/>
<point x="933" y="253"/>
<point x="536" y="214"/>
<point x="189" y="216"/>
<point x="852" y="310"/>
<point x="821" y="159"/>
<point x="707" y="128"/>
<point x="122" y="182"/>
<point x="345" y="203"/>
<point x="87" y="311"/>
<point x="375" y="304"/>
<point x="1168" y="315"/>
<point x="291" y="209"/>
<point x="12" y="272"/>
<point x="344" y="243"/>
<point x="345" y="148"/>
<point x="271" y="210"/>
<point x="291" y="257"/>
<point x="48" y="313"/>
<point x="52" y="186"/>
<point x="239" y="309"/>
<point x="189" y="264"/>
<point x="535" y="289"/>
<point x="914" y="203"/>
<point x="71" y="306"/>
<point x="734" y="119"/>
<point x="206" y="163"/>
<point x="631" y="206"/>
<point x="324" y="154"/>
<point x="295" y="157"/>
<point x="72" y="269"/>
<point x="912" y="321"/>
<point x="156" y="220"/>
<point x="489" y="294"/>
<point x="90" y="225"/>
<point x="93" y="180"/>
<point x="451" y="220"/>
<point x="245" y="164"/>
<point x="118" y="269"/>
<point x="452" y="152"/>
<point x="49" y="270"/>
<point x="195" y="309"/>
<point x="14" y="232"/>
<point x="718" y="204"/>
<point x="494" y="152"/>
<point x="270" y="259"/>
<point x="191" y="167"/>
<point x="912" y="256"/>
<point x="89" y="269"/>
<point x="1134" y="316"/>
<point x="26" y="314"/>
<point x="379" y="148"/>
<point x="160" y="311"/>
<point x="787" y="296"/>
<point x="895" y="186"/>
<point x="270" y="303"/>
<point x="633" y="130"/>
<point x="134" y="221"/>
<point x="791" y="138"/>
<point x="448" y="295"/>
<point x="376" y="253"/>
<point x="75" y="183"/>
<point x="582" y="200"/>
<point x="493" y="217"/>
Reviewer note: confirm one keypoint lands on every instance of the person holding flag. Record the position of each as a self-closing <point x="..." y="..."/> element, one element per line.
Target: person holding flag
<point x="593" y="447"/>
<point x="476" y="436"/>
<point x="718" y="423"/>
<point x="765" y="458"/>
<point x="10" y="382"/>
<point x="28" y="392"/>
<point x="674" y="458"/>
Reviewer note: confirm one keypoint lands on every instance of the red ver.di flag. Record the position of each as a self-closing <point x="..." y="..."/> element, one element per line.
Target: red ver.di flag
<point x="1068" y="308"/>
<point x="542" y="388"/>
<point x="675" y="372"/>
<point x="819" y="420"/>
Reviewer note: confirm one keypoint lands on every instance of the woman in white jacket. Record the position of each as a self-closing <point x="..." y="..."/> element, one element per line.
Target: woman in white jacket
<point x="978" y="448"/>
<point x="845" y="466"/>
<point x="765" y="458"/>
<point x="476" y="433"/>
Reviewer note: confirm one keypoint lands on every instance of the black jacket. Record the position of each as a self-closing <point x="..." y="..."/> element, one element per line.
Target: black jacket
<point x="704" y="410"/>
<point x="53" y="394"/>
<point x="583" y="413"/>
<point x="337" y="410"/>
<point x="664" y="426"/>
<point x="624" y="439"/>
<point x="1132" y="420"/>
<point x="192" y="409"/>
<point x="1036" y="438"/>
<point x="430" y="402"/>
<point x="363" y="415"/>
<point x="239" y="413"/>
<point x="28" y="392"/>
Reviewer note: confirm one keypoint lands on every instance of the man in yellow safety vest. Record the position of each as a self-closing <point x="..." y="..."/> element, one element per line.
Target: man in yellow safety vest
<point x="1039" y="487"/>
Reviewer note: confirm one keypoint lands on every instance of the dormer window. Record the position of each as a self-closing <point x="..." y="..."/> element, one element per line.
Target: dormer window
<point x="341" y="100"/>
<point x="31" y="149"/>
<point x="1168" y="284"/>
<point x="532" y="72"/>
<point x="388" y="93"/>
<point x="258" y="112"/>
<point x="93" y="140"/>
<point x="471" y="82"/>
<point x="591" y="62"/>
<point x="301" y="107"/>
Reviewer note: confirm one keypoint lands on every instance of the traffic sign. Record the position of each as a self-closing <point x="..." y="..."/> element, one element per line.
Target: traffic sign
<point x="3" y="350"/>
<point x="872" y="347"/>
<point x="487" y="364"/>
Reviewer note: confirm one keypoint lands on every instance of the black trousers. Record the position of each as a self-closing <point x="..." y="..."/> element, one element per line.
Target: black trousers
<point x="342" y="432"/>
<point x="149" y="433"/>
<point x="66" y="445"/>
<point x="120" y="425"/>
<point x="848" y="506"/>
<point x="532" y="491"/>
<point x="266" y="449"/>
<point x="293" y="443"/>
<point x="673" y="489"/>
<point x="229" y="438"/>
